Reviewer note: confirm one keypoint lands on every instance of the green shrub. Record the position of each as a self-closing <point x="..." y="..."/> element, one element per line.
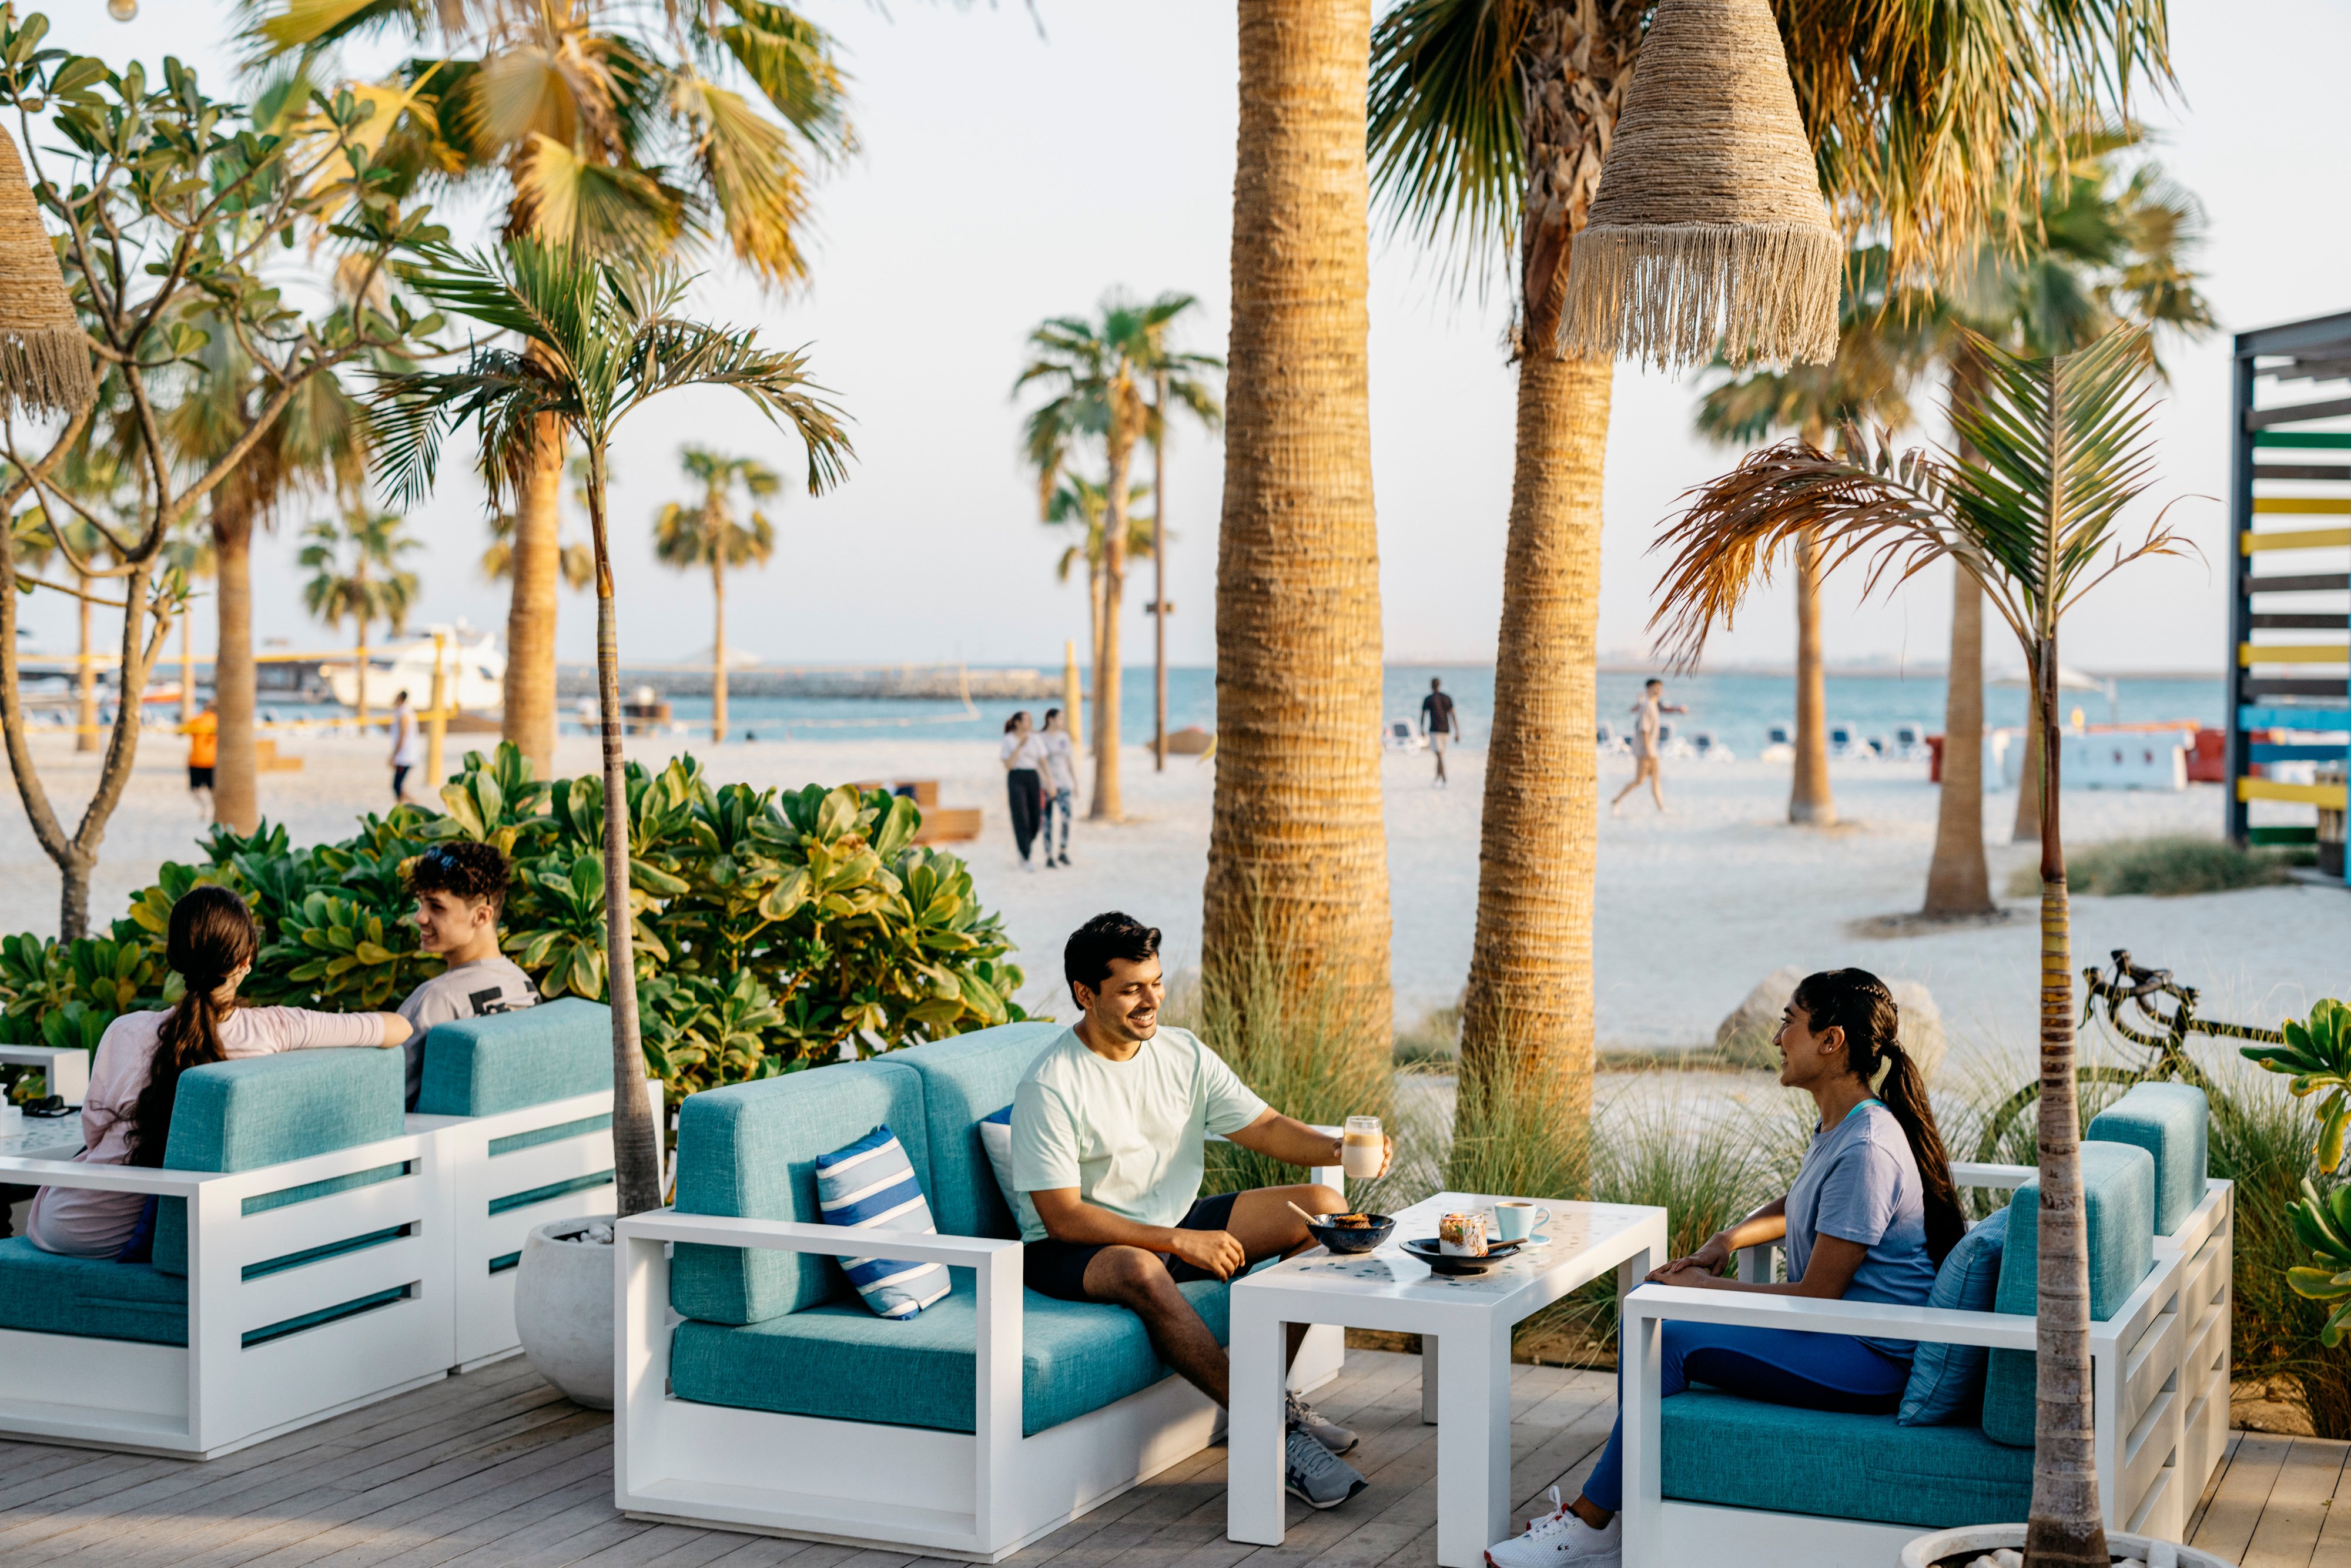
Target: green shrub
<point x="773" y="931"/>
<point x="2168" y="867"/>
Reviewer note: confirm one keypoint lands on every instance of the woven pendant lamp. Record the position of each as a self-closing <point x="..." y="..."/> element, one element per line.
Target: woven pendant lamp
<point x="44" y="355"/>
<point x="1708" y="229"/>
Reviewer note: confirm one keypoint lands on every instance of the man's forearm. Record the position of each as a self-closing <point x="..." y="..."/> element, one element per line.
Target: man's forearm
<point x="1293" y="1143"/>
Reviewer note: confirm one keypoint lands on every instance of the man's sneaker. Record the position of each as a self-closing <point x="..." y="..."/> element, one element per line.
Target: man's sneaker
<point x="1304" y="1417"/>
<point x="1560" y="1539"/>
<point x="1317" y="1476"/>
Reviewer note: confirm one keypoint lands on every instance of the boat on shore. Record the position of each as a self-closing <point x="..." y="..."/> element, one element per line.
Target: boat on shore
<point x="473" y="671"/>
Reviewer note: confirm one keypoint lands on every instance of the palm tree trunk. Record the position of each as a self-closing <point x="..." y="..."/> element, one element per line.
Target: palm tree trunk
<point x="363" y="672"/>
<point x="529" y="719"/>
<point x="1159" y="586"/>
<point x="1529" y="996"/>
<point x="718" y="648"/>
<point x="636" y="1158"/>
<point x="187" y="669"/>
<point x="1298" y="850"/>
<point x="2063" y="1527"/>
<point x="85" y="677"/>
<point x="2028" y="786"/>
<point x="235" y="793"/>
<point x="1108" y="805"/>
<point x="1810" y="800"/>
<point x="1958" y="883"/>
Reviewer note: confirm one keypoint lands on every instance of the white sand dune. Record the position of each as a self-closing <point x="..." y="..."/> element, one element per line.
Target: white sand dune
<point x="1694" y="907"/>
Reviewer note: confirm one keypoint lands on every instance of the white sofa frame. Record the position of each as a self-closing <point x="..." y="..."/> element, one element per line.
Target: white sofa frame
<point x="482" y="1298"/>
<point x="980" y="1496"/>
<point x="2159" y="1395"/>
<point x="214" y="1394"/>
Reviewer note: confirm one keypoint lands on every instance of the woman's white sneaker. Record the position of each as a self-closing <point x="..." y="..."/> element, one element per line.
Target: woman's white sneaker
<point x="1561" y="1540"/>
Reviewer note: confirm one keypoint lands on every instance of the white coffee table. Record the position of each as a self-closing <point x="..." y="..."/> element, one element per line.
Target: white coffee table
<point x="1469" y="1317"/>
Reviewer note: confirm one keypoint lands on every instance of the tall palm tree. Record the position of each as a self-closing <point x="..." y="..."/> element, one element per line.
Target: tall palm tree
<point x="2062" y="446"/>
<point x="356" y="576"/>
<point x="1489" y="120"/>
<point x="1097" y="372"/>
<point x="1080" y="502"/>
<point x="614" y="126"/>
<point x="1880" y="344"/>
<point x="575" y="561"/>
<point x="191" y="554"/>
<point x="600" y="339"/>
<point x="706" y="534"/>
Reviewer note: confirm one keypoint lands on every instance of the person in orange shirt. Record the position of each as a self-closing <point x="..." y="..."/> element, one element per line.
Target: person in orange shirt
<point x="204" y="752"/>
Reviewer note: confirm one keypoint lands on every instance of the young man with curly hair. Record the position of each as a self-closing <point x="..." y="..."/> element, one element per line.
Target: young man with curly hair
<point x="460" y="889"/>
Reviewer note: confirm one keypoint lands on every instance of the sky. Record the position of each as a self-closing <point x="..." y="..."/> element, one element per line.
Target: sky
<point x="1016" y="164"/>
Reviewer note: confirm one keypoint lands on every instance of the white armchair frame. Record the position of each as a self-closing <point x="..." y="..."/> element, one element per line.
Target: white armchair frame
<point x="979" y="1495"/>
<point x="2159" y="1395"/>
<point x="216" y="1394"/>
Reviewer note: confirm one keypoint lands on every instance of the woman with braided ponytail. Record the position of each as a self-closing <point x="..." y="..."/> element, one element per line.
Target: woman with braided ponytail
<point x="1871" y="1215"/>
<point x="126" y="1115"/>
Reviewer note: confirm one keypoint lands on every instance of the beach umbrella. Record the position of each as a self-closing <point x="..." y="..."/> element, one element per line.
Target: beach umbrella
<point x="44" y="356"/>
<point x="1708" y="228"/>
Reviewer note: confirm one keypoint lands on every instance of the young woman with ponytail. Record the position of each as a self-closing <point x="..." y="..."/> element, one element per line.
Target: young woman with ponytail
<point x="1870" y="1218"/>
<point x="126" y="1115"/>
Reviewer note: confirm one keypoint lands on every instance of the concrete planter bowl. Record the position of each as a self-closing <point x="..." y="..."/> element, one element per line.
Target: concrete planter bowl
<point x="1928" y="1549"/>
<point x="563" y="1306"/>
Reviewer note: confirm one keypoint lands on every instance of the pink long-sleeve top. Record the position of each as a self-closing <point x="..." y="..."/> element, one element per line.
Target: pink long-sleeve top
<point x="85" y="1223"/>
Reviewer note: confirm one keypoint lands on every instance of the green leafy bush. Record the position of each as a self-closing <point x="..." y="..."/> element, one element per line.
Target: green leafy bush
<point x="2168" y="867"/>
<point x="773" y="931"/>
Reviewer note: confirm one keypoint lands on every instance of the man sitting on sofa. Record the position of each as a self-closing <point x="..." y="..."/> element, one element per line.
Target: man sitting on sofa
<point x="460" y="889"/>
<point x="1108" y="1132"/>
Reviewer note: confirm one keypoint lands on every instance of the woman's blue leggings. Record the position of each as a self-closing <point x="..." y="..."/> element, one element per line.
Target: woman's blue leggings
<point x="1780" y="1366"/>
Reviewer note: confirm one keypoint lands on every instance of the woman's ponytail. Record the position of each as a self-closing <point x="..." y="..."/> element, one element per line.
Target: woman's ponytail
<point x="1858" y="1002"/>
<point x="211" y="937"/>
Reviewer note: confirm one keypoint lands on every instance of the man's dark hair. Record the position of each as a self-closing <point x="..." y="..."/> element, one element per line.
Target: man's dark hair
<point x="1085" y="957"/>
<point x="464" y="869"/>
<point x="1652" y="681"/>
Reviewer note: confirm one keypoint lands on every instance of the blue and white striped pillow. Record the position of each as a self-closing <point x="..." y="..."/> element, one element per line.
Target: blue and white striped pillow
<point x="871" y="1186"/>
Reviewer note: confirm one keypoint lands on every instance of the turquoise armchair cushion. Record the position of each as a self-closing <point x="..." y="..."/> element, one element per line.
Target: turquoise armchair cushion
<point x="1742" y="1453"/>
<point x="504" y="1061"/>
<point x="1947" y="1380"/>
<point x="2119" y="1190"/>
<point x="840" y="1362"/>
<point x="266" y="1109"/>
<point x="750" y="1151"/>
<point x="2170" y="1122"/>
<point x="41" y="1292"/>
<point x="965" y="1079"/>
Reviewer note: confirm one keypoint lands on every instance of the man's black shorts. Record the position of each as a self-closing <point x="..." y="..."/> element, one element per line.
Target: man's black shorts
<point x="1059" y="1268"/>
<point x="199" y="777"/>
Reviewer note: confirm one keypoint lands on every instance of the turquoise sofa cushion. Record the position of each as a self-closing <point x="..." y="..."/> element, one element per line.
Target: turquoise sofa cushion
<point x="41" y="1292"/>
<point x="2170" y="1122"/>
<point x="1947" y="1380"/>
<point x="266" y="1109"/>
<point x="2119" y="1190"/>
<point x="504" y="1061"/>
<point x="750" y="1151"/>
<point x="966" y="1078"/>
<point x="840" y="1362"/>
<point x="1742" y="1453"/>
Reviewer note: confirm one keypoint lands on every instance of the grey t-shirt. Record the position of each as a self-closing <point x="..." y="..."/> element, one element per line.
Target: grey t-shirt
<point x="469" y="990"/>
<point x="1860" y="1182"/>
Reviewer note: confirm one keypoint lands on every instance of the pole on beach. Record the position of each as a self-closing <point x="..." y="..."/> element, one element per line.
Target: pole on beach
<point x="1073" y="702"/>
<point x="187" y="672"/>
<point x="436" y="724"/>
<point x="1159" y="586"/>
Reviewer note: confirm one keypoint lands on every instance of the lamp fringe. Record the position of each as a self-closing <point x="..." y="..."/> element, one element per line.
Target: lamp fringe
<point x="1672" y="294"/>
<point x="46" y="367"/>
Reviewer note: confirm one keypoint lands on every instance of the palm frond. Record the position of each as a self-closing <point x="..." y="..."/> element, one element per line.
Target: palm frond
<point x="1446" y="124"/>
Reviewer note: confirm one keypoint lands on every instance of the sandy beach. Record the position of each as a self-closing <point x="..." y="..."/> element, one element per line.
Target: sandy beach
<point x="1695" y="907"/>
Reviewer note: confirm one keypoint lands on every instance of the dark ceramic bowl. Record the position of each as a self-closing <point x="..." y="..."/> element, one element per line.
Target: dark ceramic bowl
<point x="1354" y="1239"/>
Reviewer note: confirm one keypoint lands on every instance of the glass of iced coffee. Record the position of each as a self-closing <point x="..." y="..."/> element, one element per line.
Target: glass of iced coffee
<point x="1363" y="1150"/>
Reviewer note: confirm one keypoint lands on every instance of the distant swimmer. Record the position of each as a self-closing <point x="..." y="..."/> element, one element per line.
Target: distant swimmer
<point x="1439" y="722"/>
<point x="1648" y="716"/>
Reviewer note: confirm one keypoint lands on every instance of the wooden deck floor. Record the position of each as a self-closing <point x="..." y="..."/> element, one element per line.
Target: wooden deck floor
<point x="498" y="1470"/>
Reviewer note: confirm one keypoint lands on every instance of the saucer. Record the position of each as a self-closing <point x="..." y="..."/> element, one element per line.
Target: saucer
<point x="1428" y="1250"/>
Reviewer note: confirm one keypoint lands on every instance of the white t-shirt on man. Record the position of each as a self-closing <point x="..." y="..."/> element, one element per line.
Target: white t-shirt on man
<point x="1128" y="1135"/>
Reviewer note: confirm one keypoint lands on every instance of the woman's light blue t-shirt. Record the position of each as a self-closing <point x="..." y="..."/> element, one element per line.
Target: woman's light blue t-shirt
<point x="1860" y="1182"/>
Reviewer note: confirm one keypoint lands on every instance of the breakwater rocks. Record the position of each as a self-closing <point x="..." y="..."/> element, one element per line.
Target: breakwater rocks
<point x="925" y="683"/>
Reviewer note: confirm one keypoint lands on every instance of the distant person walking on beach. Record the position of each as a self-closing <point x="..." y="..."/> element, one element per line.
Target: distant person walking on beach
<point x="1439" y="722"/>
<point x="407" y="746"/>
<point x="203" y="753"/>
<point x="1060" y="782"/>
<point x="1648" y="716"/>
<point x="1025" y="766"/>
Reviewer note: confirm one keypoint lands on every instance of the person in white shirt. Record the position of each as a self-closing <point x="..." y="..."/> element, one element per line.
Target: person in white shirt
<point x="1023" y="756"/>
<point x="1060" y="782"/>
<point x="126" y="1113"/>
<point x="460" y="889"/>
<point x="407" y="746"/>
<point x="1108" y="1133"/>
